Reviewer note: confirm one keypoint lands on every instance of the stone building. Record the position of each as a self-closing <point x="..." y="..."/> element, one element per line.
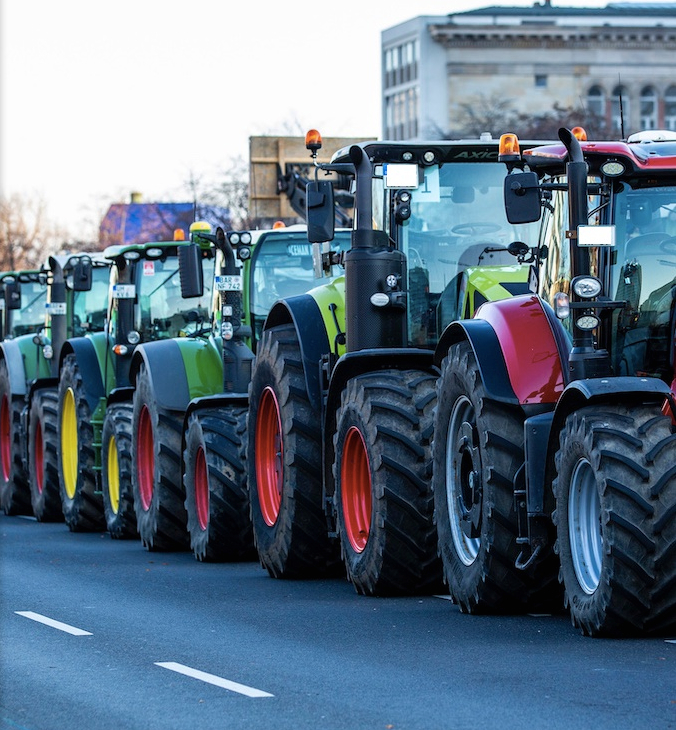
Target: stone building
<point x="616" y="62"/>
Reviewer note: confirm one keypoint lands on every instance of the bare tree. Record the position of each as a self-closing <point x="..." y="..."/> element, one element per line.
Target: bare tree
<point x="27" y="237"/>
<point x="230" y="192"/>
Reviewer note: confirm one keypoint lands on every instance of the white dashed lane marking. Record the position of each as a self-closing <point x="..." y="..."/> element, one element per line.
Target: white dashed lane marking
<point x="213" y="679"/>
<point x="54" y="624"/>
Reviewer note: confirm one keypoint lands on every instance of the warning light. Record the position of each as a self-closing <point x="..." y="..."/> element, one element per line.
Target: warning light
<point x="278" y="224"/>
<point x="580" y="134"/>
<point x="179" y="234"/>
<point x="313" y="141"/>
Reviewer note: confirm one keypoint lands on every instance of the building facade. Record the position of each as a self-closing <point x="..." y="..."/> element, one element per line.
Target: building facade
<point x="618" y="63"/>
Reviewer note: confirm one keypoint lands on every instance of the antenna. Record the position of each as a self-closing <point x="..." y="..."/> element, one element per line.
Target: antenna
<point x="619" y="91"/>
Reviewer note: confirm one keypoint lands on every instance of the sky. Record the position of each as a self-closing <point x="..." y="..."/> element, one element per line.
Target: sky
<point x="101" y="98"/>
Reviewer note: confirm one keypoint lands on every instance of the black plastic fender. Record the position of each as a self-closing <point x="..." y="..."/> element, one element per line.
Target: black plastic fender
<point x="487" y="351"/>
<point x="304" y="313"/>
<point x="90" y="369"/>
<point x="11" y="354"/>
<point x="164" y="364"/>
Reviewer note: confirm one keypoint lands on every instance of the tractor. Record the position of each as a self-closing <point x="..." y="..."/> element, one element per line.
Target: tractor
<point x="190" y="402"/>
<point x="342" y="394"/>
<point x="554" y="442"/>
<point x="95" y="391"/>
<point x="28" y="376"/>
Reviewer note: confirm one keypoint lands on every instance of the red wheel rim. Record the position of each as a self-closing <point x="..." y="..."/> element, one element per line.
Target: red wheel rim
<point x="355" y="488"/>
<point x="39" y="457"/>
<point x="5" y="438"/>
<point x="269" y="456"/>
<point x="145" y="465"/>
<point x="201" y="489"/>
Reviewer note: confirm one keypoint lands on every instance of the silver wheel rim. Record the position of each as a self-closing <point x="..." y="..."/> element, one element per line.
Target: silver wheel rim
<point x="457" y="454"/>
<point x="584" y="527"/>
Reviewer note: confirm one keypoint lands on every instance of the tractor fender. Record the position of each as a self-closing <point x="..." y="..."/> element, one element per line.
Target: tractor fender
<point x="164" y="364"/>
<point x="90" y="366"/>
<point x="625" y="388"/>
<point x="520" y="348"/>
<point x="11" y="353"/>
<point x="303" y="312"/>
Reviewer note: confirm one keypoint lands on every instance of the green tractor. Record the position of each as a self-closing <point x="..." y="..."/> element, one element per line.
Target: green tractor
<point x="28" y="370"/>
<point x="190" y="401"/>
<point x="95" y="392"/>
<point x="343" y="389"/>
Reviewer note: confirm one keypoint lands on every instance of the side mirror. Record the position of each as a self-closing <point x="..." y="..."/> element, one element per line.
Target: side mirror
<point x="13" y="295"/>
<point x="522" y="197"/>
<point x="190" y="270"/>
<point x="320" y="211"/>
<point x="82" y="275"/>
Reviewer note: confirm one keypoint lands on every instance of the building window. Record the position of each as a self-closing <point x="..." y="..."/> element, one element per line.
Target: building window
<point x="541" y="80"/>
<point x="670" y="108"/>
<point x="619" y="109"/>
<point x="596" y="103"/>
<point x="648" y="108"/>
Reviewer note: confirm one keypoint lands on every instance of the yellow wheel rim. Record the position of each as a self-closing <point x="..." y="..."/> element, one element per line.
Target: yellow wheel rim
<point x="113" y="475"/>
<point x="69" y="443"/>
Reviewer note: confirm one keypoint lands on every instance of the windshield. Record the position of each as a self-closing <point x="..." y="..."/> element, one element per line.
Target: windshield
<point x="458" y="222"/>
<point x="90" y="307"/>
<point x="645" y="278"/>
<point x="282" y="267"/>
<point x="162" y="312"/>
<point x="31" y="316"/>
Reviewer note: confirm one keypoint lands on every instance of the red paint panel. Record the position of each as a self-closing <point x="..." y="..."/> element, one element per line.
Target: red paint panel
<point x="528" y="347"/>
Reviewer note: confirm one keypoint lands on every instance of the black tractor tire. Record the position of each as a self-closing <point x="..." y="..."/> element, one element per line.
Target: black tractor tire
<point x="81" y="499"/>
<point x="616" y="519"/>
<point x="478" y="449"/>
<point x="159" y="497"/>
<point x="118" y="495"/>
<point x="43" y="460"/>
<point x="217" y="500"/>
<point x="383" y="498"/>
<point x="15" y="498"/>
<point x="284" y="457"/>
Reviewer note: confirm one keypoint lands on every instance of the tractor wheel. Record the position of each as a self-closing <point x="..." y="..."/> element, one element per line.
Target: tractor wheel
<point x="118" y="497"/>
<point x="43" y="460"/>
<point x="615" y="506"/>
<point x="284" y="458"/>
<point x="478" y="449"/>
<point x="80" y="497"/>
<point x="14" y="491"/>
<point x="217" y="501"/>
<point x="383" y="498"/>
<point x="159" y="497"/>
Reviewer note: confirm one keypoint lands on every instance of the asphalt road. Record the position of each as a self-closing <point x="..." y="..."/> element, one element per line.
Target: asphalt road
<point x="158" y="641"/>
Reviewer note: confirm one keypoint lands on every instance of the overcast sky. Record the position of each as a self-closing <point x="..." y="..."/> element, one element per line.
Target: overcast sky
<point x="102" y="98"/>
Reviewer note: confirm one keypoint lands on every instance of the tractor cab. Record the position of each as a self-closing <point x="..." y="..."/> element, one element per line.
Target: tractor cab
<point x="616" y="285"/>
<point x="431" y="241"/>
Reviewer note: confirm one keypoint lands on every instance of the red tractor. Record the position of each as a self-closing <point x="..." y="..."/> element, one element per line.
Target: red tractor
<point x="554" y="439"/>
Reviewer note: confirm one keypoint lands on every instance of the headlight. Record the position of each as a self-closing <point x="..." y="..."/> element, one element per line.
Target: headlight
<point x="587" y="287"/>
<point x="587" y="322"/>
<point x="561" y="305"/>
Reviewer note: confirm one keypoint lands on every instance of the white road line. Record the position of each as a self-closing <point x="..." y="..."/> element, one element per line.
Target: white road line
<point x="28" y="517"/>
<point x="213" y="679"/>
<point x="445" y="598"/>
<point x="54" y="624"/>
<point x="670" y="641"/>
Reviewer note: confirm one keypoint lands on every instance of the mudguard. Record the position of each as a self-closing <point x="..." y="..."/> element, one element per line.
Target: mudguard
<point x="179" y="372"/>
<point x="319" y="319"/>
<point x="11" y="353"/>
<point x="521" y="358"/>
<point x="90" y="357"/>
